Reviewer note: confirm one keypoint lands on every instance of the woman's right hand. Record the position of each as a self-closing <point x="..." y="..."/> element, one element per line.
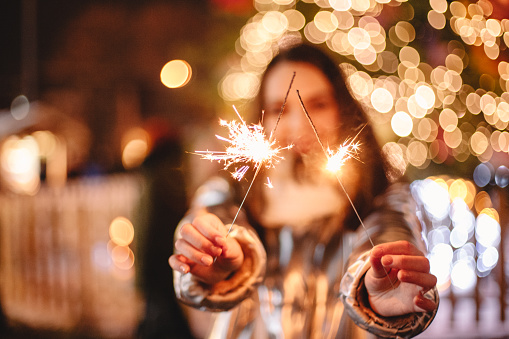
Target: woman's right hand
<point x="205" y="251"/>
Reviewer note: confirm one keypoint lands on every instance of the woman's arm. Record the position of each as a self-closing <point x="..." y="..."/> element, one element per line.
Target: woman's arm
<point x="395" y="273"/>
<point x="212" y="269"/>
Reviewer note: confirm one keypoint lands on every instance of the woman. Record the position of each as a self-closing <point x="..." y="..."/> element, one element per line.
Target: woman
<point x="298" y="260"/>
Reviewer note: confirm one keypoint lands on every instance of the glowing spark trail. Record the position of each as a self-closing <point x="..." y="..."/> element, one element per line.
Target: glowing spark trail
<point x="248" y="144"/>
<point x="335" y="161"/>
<point x="269" y="183"/>
<point x="349" y="149"/>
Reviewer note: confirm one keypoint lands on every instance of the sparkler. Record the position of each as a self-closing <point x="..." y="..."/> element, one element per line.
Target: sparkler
<point x="248" y="144"/>
<point x="349" y="149"/>
<point x="335" y="160"/>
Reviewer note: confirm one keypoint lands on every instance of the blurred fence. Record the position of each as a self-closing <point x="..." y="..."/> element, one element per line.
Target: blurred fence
<point x="56" y="267"/>
<point x="473" y="295"/>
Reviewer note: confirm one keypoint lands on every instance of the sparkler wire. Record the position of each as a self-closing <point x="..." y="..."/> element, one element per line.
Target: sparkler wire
<point x="271" y="138"/>
<point x="339" y="180"/>
<point x="282" y="109"/>
<point x="243" y="200"/>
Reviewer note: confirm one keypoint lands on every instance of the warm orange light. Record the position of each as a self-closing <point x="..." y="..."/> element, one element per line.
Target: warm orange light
<point x="458" y="189"/>
<point x="123" y="257"/>
<point x="176" y="73"/>
<point x="135" y="147"/>
<point x="492" y="213"/>
<point x="482" y="201"/>
<point x="20" y="164"/>
<point x="121" y="231"/>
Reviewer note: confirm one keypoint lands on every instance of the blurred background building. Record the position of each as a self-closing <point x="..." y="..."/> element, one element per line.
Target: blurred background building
<point x="101" y="100"/>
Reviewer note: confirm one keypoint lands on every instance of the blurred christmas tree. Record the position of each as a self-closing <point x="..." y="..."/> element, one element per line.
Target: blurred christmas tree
<point x="433" y="76"/>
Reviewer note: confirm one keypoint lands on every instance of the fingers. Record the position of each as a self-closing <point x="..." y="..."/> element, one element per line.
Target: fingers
<point x="180" y="263"/>
<point x="192" y="253"/>
<point x="412" y="266"/>
<point x="382" y="257"/>
<point x="404" y="258"/>
<point x="396" y="247"/>
<point x="406" y="262"/>
<point x="425" y="280"/>
<point x="379" y="271"/>
<point x="411" y="269"/>
<point x="198" y="240"/>
<point x="424" y="303"/>
<point x="210" y="226"/>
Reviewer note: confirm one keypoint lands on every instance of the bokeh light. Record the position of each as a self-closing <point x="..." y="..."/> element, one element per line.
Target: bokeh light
<point x="135" y="147"/>
<point x="401" y="124"/>
<point x="122" y="257"/>
<point x="391" y="76"/>
<point x="176" y="73"/>
<point x="121" y="231"/>
<point x="20" y="107"/>
<point x="381" y="99"/>
<point x="502" y="176"/>
<point x="20" y="164"/>
<point x="461" y="246"/>
<point x="46" y="141"/>
<point x="487" y="230"/>
<point x="463" y="276"/>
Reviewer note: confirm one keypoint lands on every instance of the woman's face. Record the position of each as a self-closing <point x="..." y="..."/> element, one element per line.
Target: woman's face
<point x="317" y="95"/>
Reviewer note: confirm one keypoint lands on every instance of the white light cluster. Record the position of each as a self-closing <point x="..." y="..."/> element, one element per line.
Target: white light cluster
<point x="461" y="246"/>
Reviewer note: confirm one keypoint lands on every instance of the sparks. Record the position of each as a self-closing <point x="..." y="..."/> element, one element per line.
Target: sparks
<point x="269" y="183"/>
<point x="336" y="160"/>
<point x="247" y="144"/>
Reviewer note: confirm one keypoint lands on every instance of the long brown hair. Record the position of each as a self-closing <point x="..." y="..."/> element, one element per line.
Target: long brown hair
<point x="353" y="118"/>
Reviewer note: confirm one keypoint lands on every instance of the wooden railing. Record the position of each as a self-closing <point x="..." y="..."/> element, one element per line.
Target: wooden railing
<point x="481" y="313"/>
<point x="55" y="266"/>
<point x="56" y="270"/>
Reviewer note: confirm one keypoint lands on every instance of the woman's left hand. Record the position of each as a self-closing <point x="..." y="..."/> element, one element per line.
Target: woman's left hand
<point x="407" y="268"/>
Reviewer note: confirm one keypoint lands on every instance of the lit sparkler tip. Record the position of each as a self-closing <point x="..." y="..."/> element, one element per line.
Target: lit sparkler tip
<point x="336" y="160"/>
<point x="247" y="144"/>
<point x="240" y="172"/>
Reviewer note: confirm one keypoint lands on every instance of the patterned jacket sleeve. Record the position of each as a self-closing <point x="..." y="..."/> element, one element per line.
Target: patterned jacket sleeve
<point x="215" y="197"/>
<point x="394" y="219"/>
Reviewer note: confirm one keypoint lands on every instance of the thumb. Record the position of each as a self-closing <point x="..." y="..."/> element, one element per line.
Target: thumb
<point x="375" y="259"/>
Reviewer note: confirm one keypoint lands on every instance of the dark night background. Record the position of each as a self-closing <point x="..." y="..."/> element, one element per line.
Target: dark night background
<point x="98" y="62"/>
